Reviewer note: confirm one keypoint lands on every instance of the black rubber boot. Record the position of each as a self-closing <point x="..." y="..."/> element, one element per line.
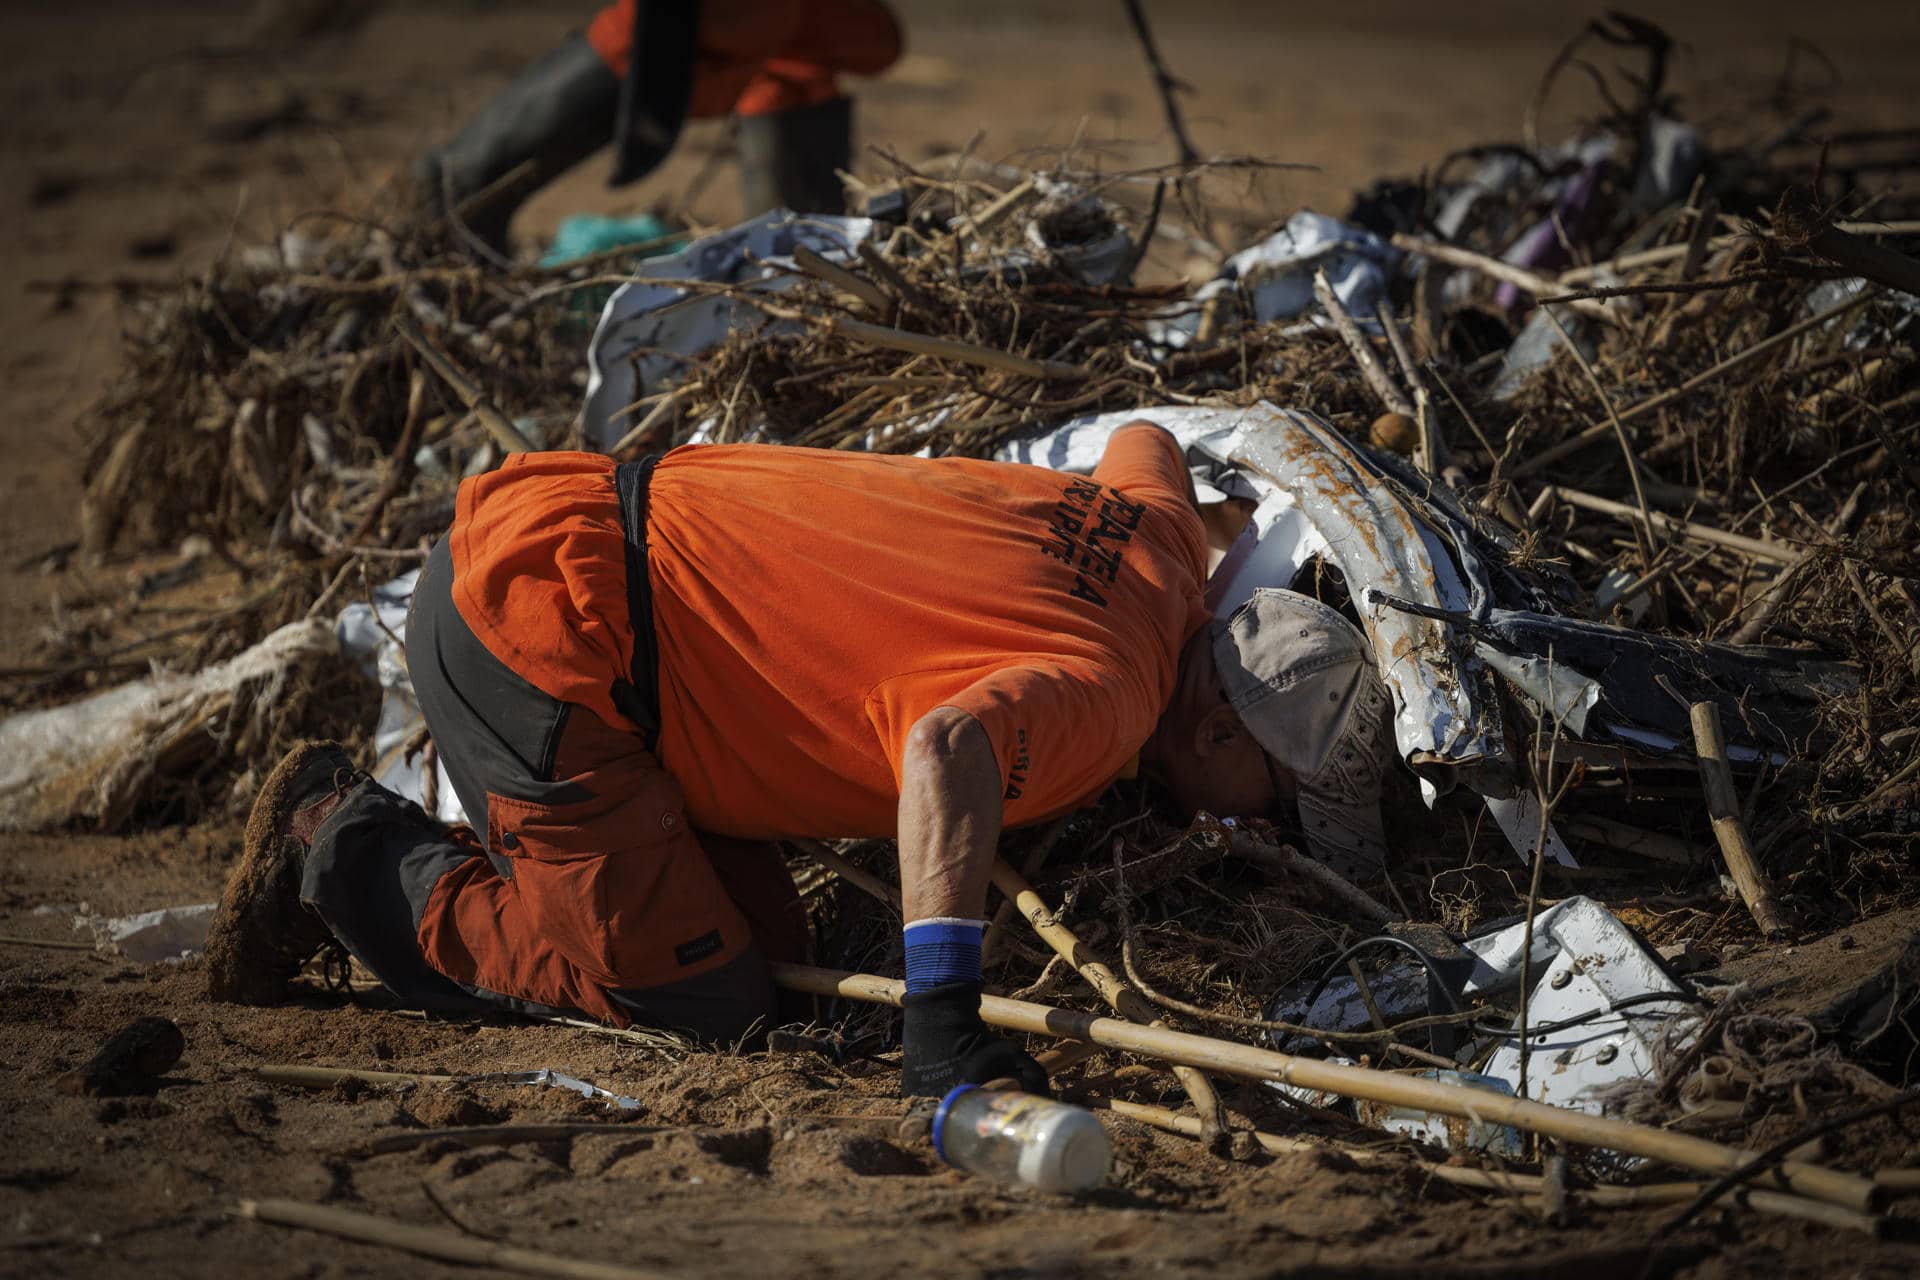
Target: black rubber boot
<point x="788" y="159"/>
<point x="552" y="116"/>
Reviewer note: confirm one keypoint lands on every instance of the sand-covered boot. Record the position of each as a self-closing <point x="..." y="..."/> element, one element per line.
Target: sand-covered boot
<point x="263" y="933"/>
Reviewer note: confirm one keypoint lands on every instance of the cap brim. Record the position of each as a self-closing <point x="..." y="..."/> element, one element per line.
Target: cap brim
<point x="1343" y="835"/>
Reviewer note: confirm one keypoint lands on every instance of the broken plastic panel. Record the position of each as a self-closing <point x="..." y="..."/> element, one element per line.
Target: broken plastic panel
<point x="1601" y="1007"/>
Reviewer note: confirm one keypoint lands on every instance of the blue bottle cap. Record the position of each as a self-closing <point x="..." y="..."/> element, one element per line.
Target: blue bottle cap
<point x="940" y="1119"/>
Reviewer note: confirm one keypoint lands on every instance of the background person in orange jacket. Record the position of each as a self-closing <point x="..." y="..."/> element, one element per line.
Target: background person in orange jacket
<point x="641" y="70"/>
<point x="639" y="675"/>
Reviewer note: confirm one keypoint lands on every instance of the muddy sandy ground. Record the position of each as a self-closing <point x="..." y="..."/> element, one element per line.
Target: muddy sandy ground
<point x="135" y="142"/>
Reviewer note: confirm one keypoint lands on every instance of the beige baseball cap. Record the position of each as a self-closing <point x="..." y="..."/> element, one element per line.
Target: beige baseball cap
<point x="1303" y="680"/>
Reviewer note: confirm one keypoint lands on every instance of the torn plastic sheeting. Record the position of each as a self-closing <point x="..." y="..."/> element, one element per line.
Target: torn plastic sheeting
<point x="376" y="641"/>
<point x="1276" y="275"/>
<point x="650" y="327"/>
<point x="1535" y="346"/>
<point x="1066" y="208"/>
<point x="1893" y="316"/>
<point x="556" y="1080"/>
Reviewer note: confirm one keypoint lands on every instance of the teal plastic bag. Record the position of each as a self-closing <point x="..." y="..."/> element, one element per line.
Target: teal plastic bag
<point x="585" y="234"/>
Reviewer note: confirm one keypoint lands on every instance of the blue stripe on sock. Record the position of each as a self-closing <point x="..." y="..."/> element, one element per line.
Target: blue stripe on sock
<point x="942" y="951"/>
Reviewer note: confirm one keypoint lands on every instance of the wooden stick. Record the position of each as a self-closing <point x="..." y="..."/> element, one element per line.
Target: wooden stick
<point x="1599" y="430"/>
<point x="639" y="431"/>
<point x="327" y="1077"/>
<point x="1523" y="1184"/>
<point x="1163" y="80"/>
<point x="1120" y="997"/>
<point x="1667" y="253"/>
<point x="434" y="1242"/>
<point x="1254" y="1063"/>
<point x="1758" y="548"/>
<point x="1723" y="805"/>
<point x="1433" y="449"/>
<point x="1538" y="285"/>
<point x="1289" y="861"/>
<point x="1628" y="839"/>
<point x="844" y="280"/>
<point x="865" y="881"/>
<point x="52" y="944"/>
<point x="498" y="424"/>
<point x="1863" y="257"/>
<point x="948" y="349"/>
<point x="1002" y="205"/>
<point x="1377" y="378"/>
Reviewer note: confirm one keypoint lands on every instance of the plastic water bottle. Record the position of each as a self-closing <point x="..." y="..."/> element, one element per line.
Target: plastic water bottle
<point x="1021" y="1139"/>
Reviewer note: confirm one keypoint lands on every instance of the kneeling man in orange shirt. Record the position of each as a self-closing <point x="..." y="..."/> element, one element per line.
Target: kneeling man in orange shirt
<point x="640" y="676"/>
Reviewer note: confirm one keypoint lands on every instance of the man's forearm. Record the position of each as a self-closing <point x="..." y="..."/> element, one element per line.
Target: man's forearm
<point x="950" y="805"/>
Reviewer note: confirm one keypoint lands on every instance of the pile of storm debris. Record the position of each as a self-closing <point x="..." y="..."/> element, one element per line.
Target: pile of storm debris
<point x="1609" y="446"/>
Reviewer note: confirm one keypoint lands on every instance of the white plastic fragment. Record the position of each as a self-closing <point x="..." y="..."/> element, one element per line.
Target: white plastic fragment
<point x="556" y="1080"/>
<point x="149" y="937"/>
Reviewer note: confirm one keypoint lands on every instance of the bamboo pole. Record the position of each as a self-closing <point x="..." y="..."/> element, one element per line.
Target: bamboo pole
<point x="1723" y="806"/>
<point x="1120" y="997"/>
<point x="434" y="1242"/>
<point x="1899" y="1183"/>
<point x="1357" y="1082"/>
<point x="1528" y="1185"/>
